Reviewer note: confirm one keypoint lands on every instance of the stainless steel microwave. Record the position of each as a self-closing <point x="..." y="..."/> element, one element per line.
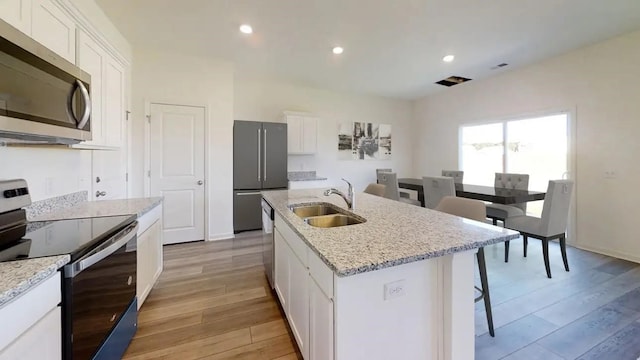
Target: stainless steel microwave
<point x="43" y="97"/>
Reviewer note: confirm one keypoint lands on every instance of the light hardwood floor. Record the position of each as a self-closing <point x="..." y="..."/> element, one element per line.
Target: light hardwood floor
<point x="213" y="302"/>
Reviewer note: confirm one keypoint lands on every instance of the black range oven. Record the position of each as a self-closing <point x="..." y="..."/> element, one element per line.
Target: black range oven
<point x="99" y="306"/>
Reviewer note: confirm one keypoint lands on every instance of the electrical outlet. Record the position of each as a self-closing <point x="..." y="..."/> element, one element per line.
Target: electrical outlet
<point x="394" y="290"/>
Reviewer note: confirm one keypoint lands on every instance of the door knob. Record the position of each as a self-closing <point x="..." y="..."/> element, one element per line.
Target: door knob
<point x="200" y="182"/>
<point x="101" y="193"/>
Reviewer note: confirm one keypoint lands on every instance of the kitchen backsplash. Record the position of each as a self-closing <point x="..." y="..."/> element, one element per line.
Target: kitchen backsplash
<point x="56" y="203"/>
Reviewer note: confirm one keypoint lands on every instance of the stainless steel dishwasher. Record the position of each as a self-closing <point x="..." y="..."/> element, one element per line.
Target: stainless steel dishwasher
<point x="267" y="240"/>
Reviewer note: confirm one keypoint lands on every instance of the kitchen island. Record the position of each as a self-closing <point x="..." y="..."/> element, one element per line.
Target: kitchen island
<point x="398" y="286"/>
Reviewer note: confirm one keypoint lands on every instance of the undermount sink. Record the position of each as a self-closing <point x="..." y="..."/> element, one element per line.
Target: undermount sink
<point x="309" y="210"/>
<point x="325" y="215"/>
<point x="335" y="220"/>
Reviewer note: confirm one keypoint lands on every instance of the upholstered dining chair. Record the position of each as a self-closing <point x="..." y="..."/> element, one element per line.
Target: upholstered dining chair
<point x="500" y="211"/>
<point x="390" y="181"/>
<point x="474" y="210"/>
<point x="551" y="225"/>
<point x="379" y="171"/>
<point x="403" y="194"/>
<point x="435" y="188"/>
<point x="457" y="175"/>
<point x="375" y="189"/>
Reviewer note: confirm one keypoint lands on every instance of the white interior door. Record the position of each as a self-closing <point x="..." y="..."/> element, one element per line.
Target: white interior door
<point x="109" y="174"/>
<point x="176" y="160"/>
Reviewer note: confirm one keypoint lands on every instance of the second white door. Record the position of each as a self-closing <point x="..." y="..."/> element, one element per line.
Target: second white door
<point x="177" y="169"/>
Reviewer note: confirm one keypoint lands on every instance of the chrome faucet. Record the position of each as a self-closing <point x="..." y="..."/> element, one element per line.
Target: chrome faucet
<point x="349" y="198"/>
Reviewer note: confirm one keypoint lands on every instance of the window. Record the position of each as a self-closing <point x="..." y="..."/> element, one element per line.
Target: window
<point x="535" y="146"/>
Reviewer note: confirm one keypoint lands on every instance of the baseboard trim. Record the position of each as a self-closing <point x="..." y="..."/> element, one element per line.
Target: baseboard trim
<point x="614" y="254"/>
<point x="218" y="237"/>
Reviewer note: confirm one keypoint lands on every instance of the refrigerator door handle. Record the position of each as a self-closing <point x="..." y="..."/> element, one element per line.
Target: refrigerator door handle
<point x="259" y="155"/>
<point x="265" y="155"/>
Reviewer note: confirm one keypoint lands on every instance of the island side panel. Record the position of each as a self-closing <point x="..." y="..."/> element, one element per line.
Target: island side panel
<point x="368" y="326"/>
<point x="432" y="319"/>
<point x="458" y="296"/>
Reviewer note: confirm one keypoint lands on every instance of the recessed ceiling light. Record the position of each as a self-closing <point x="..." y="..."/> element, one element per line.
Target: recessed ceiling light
<point x="448" y="58"/>
<point x="338" y="50"/>
<point x="246" y="29"/>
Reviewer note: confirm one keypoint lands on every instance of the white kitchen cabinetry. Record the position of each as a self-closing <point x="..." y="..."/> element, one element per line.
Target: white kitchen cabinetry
<point x="33" y="330"/>
<point x="320" y="323"/>
<point x="17" y="13"/>
<point x="299" y="303"/>
<point x="302" y="133"/>
<point x="304" y="286"/>
<point x="292" y="289"/>
<point x="150" y="259"/>
<point x="107" y="94"/>
<point x="51" y="27"/>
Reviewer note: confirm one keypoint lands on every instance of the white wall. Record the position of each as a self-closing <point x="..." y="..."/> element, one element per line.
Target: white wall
<point x="167" y="77"/>
<point x="50" y="171"/>
<point x="601" y="84"/>
<point x="266" y="100"/>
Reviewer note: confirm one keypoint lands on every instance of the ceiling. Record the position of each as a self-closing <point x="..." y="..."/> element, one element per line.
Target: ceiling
<point x="393" y="48"/>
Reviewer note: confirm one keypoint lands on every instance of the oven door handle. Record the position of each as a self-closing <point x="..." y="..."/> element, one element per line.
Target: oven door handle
<point x="104" y="250"/>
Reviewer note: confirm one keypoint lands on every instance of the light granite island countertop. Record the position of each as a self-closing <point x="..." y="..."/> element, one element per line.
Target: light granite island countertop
<point x="394" y="233"/>
<point x="137" y="206"/>
<point x="402" y="282"/>
<point x="18" y="277"/>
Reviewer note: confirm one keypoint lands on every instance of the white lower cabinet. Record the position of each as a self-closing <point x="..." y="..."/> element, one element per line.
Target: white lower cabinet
<point x="149" y="254"/>
<point x="41" y="341"/>
<point x="320" y="323"/>
<point x="281" y="283"/>
<point x="32" y="324"/>
<point x="299" y="303"/>
<point x="307" y="307"/>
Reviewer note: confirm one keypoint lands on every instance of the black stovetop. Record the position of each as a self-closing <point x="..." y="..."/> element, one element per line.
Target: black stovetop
<point x="46" y="238"/>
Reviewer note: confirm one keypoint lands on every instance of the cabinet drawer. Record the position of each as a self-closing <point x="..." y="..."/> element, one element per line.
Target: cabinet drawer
<point x="321" y="273"/>
<point x="29" y="308"/>
<point x="297" y="245"/>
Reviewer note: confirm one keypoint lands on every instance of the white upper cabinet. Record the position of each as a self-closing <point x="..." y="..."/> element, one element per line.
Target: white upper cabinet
<point x="91" y="59"/>
<point x="107" y="94"/>
<point x="302" y="134"/>
<point x="114" y="110"/>
<point x="17" y="13"/>
<point x="51" y="27"/>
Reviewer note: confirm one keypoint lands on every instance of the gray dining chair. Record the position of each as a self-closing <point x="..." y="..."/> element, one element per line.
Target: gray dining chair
<point x="435" y="188"/>
<point x="508" y="181"/>
<point x="403" y="194"/>
<point x="474" y="210"/>
<point x="375" y="189"/>
<point x="457" y="175"/>
<point x="390" y="181"/>
<point x="551" y="225"/>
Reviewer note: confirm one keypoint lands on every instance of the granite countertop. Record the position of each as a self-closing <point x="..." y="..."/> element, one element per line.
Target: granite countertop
<point x="395" y="233"/>
<point x="138" y="206"/>
<point x="304" y="176"/>
<point x="17" y="277"/>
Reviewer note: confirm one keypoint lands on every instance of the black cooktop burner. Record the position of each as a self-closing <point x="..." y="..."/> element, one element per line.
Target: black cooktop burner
<point x="46" y="238"/>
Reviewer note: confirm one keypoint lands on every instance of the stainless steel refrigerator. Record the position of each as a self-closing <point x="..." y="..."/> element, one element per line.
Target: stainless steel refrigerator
<point x="259" y="163"/>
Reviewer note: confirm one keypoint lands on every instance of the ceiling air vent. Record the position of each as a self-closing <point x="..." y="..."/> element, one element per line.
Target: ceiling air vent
<point x="499" y="66"/>
<point x="452" y="80"/>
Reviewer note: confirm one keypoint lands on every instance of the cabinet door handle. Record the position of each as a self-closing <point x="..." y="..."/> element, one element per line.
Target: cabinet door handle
<point x="265" y="155"/>
<point x="101" y="193"/>
<point x="259" y="155"/>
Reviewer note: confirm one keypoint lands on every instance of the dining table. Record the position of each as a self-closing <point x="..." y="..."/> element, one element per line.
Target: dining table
<point x="478" y="192"/>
